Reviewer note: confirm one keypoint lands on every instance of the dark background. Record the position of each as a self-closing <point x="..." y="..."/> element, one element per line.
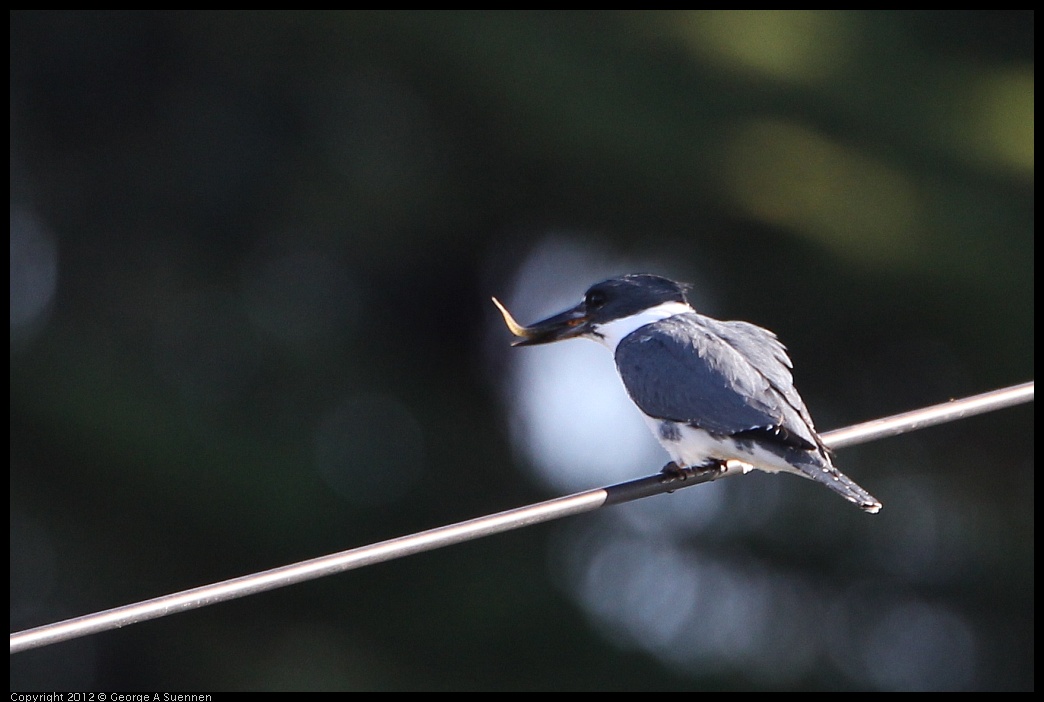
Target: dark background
<point x="251" y="263"/>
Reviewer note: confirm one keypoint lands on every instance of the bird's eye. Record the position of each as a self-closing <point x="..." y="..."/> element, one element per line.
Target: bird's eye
<point x="594" y="299"/>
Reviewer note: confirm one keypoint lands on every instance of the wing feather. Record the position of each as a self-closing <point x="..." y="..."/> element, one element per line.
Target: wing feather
<point x="728" y="378"/>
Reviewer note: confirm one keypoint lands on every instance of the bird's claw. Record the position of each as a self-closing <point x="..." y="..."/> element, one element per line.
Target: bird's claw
<point x="673" y="472"/>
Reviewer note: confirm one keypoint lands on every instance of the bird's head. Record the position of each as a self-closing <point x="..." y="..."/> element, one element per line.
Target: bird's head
<point x="605" y="302"/>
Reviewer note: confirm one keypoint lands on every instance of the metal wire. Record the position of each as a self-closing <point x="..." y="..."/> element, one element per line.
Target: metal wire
<point x="929" y="416"/>
<point x="483" y="526"/>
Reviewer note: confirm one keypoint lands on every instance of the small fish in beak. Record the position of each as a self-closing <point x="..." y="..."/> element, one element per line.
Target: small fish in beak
<point x="565" y="325"/>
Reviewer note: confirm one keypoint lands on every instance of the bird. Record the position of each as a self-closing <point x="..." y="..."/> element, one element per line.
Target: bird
<point x="711" y="391"/>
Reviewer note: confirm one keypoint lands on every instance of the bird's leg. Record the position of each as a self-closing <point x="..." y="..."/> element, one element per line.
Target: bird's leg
<point x="672" y="471"/>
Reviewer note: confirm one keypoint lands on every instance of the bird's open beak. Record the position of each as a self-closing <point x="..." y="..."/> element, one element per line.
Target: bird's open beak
<point x="564" y="325"/>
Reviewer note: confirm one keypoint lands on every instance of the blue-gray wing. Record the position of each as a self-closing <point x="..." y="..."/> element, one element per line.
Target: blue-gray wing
<point x="725" y="377"/>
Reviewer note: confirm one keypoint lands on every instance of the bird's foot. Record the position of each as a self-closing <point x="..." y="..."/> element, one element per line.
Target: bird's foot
<point x="673" y="472"/>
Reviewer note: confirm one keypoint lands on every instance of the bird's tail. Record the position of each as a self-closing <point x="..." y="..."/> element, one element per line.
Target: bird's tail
<point x="818" y="467"/>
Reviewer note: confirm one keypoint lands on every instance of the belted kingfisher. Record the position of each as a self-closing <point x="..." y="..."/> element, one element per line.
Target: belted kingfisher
<point x="711" y="391"/>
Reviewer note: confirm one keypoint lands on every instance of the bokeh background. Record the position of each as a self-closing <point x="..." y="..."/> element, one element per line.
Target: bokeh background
<point x="252" y="256"/>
